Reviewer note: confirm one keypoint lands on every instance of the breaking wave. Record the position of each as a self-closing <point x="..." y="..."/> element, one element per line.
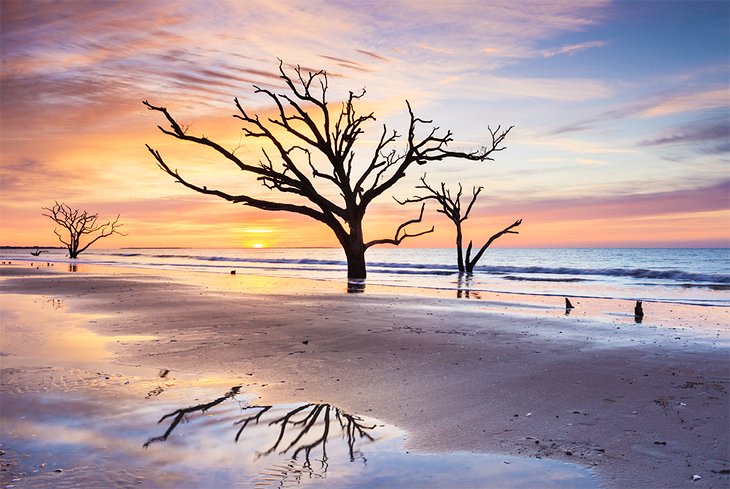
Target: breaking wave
<point x="516" y="273"/>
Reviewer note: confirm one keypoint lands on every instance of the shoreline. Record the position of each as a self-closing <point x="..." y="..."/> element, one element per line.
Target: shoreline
<point x="454" y="374"/>
<point x="669" y="313"/>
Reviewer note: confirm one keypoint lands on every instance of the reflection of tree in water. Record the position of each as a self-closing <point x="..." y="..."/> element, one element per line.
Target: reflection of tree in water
<point x="463" y="287"/>
<point x="300" y="431"/>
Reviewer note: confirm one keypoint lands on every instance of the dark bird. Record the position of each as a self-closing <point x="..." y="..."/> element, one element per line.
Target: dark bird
<point x="638" y="310"/>
<point x="568" y="305"/>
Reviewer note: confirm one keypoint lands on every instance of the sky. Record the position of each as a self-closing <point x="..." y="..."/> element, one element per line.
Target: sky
<point x="621" y="114"/>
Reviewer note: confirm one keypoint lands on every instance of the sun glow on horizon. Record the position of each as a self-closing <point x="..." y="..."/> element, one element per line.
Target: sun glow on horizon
<point x="259" y="240"/>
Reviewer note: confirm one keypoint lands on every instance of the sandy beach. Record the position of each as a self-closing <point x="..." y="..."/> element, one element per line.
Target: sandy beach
<point x="640" y="405"/>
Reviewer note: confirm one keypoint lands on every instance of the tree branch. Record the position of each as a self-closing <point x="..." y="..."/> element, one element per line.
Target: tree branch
<point x="508" y="230"/>
<point x="398" y="238"/>
<point x="244" y="199"/>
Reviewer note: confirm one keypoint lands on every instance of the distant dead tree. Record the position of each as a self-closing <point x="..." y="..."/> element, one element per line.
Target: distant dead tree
<point x="312" y="156"/>
<point x="451" y="208"/>
<point x="79" y="225"/>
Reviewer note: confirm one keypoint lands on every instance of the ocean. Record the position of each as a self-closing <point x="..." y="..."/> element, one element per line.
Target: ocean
<point x="697" y="276"/>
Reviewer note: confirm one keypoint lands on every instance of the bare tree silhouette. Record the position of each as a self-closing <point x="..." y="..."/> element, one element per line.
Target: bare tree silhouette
<point x="451" y="208"/>
<point x="301" y="429"/>
<point x="79" y="224"/>
<point x="321" y="160"/>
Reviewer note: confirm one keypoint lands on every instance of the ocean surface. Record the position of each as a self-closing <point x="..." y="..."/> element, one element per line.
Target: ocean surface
<point x="699" y="276"/>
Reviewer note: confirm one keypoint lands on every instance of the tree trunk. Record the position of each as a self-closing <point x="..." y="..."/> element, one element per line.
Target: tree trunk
<point x="459" y="248"/>
<point x="354" y="246"/>
<point x="356" y="265"/>
<point x="355" y="253"/>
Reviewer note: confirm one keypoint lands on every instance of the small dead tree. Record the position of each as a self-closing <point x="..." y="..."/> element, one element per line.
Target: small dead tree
<point x="313" y="157"/>
<point x="451" y="208"/>
<point x="78" y="225"/>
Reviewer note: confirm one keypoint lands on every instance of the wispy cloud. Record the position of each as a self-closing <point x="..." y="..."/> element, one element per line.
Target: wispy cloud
<point x="373" y="55"/>
<point x="693" y="134"/>
<point x="687" y="102"/>
<point x="572" y="49"/>
<point x="715" y="197"/>
<point x="658" y="105"/>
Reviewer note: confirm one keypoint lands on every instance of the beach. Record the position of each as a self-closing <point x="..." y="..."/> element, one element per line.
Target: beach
<point x="638" y="404"/>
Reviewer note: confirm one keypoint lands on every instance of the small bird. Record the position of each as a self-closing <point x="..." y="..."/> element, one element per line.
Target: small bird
<point x="638" y="310"/>
<point x="568" y="305"/>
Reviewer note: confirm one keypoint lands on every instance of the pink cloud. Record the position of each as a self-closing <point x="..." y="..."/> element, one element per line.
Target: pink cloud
<point x="715" y="197"/>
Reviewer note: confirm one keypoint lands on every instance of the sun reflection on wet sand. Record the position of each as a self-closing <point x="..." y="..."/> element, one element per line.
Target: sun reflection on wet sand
<point x="38" y="331"/>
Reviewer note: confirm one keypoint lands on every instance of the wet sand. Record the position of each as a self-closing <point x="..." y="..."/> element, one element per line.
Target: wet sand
<point x="643" y="405"/>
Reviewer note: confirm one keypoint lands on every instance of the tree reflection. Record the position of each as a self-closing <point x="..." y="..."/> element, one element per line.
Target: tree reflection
<point x="355" y="286"/>
<point x="300" y="430"/>
<point x="463" y="287"/>
<point x="180" y="414"/>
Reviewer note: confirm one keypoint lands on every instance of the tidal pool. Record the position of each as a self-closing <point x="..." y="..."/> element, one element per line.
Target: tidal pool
<point x="101" y="438"/>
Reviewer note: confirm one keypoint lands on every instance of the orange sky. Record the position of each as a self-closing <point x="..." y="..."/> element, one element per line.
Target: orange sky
<point x="621" y="128"/>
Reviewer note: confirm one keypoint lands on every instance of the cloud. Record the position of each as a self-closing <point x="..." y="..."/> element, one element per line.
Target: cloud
<point x="29" y="176"/>
<point x="687" y="102"/>
<point x="655" y="106"/>
<point x="708" y="198"/>
<point x="373" y="55"/>
<point x="572" y="49"/>
<point x="347" y="63"/>
<point x="692" y="134"/>
<point x="560" y="89"/>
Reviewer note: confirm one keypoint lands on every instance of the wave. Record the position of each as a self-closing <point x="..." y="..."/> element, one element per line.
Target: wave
<point x="639" y="273"/>
<point x="545" y="279"/>
<point x="516" y="273"/>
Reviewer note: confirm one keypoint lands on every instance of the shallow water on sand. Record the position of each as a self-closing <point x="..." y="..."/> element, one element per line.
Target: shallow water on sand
<point x="82" y="439"/>
<point x="71" y="417"/>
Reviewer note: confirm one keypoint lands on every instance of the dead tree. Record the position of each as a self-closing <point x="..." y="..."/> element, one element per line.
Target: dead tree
<point x="79" y="225"/>
<point x="321" y="160"/>
<point x="451" y="208"/>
